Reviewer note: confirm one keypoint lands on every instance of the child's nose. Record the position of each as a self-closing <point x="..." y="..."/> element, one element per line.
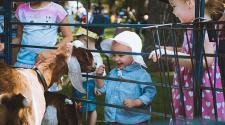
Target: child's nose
<point x="116" y="58"/>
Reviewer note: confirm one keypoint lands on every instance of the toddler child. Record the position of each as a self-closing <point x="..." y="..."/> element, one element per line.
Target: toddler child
<point x="123" y="93"/>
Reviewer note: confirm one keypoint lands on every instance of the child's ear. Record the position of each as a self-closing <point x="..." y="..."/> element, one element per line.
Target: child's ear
<point x="190" y="3"/>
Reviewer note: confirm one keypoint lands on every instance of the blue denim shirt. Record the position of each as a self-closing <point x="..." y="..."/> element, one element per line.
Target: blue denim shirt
<point x="116" y="92"/>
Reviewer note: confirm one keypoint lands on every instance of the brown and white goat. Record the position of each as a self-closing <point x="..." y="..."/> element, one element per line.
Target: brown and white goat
<point x="22" y="99"/>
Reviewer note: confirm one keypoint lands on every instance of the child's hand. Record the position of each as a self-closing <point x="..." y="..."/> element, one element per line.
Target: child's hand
<point x="97" y="93"/>
<point x="2" y="47"/>
<point x="128" y="103"/>
<point x="100" y="71"/>
<point x="155" y="55"/>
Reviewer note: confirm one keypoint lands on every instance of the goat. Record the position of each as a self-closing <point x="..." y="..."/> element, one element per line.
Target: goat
<point x="22" y="99"/>
<point x="60" y="110"/>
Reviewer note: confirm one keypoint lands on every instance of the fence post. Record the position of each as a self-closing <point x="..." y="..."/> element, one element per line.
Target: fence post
<point x="7" y="30"/>
<point x="198" y="43"/>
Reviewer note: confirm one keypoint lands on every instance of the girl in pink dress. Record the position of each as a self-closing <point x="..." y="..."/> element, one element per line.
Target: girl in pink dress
<point x="185" y="11"/>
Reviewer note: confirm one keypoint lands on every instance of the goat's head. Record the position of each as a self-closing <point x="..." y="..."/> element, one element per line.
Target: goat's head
<point x="66" y="59"/>
<point x="84" y="58"/>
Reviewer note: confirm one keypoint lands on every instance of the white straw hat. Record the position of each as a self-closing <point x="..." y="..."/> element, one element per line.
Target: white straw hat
<point x="127" y="38"/>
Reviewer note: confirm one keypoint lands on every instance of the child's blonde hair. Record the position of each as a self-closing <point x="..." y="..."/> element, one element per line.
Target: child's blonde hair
<point x="214" y="7"/>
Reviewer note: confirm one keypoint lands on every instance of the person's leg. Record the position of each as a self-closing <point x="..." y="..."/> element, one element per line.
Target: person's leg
<point x="92" y="117"/>
<point x="81" y="106"/>
<point x="80" y="118"/>
<point x="91" y="108"/>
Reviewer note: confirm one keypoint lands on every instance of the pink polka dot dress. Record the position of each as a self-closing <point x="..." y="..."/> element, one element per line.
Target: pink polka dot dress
<point x="208" y="111"/>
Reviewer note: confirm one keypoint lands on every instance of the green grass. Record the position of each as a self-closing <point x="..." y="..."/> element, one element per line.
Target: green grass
<point x="161" y="101"/>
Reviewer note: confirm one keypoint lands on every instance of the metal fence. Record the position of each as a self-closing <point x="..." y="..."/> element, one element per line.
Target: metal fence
<point x="197" y="57"/>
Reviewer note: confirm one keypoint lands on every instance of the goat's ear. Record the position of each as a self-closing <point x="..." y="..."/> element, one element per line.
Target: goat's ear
<point x="74" y="74"/>
<point x="77" y="44"/>
<point x="74" y="52"/>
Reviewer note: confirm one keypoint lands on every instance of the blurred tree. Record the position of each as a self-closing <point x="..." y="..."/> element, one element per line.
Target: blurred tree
<point x="158" y="13"/>
<point x="111" y="5"/>
<point x="140" y="6"/>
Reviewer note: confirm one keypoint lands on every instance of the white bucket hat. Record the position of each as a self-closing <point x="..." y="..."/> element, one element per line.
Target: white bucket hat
<point x="127" y="38"/>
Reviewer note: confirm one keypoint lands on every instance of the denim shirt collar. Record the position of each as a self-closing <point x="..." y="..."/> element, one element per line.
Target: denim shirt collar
<point x="129" y="68"/>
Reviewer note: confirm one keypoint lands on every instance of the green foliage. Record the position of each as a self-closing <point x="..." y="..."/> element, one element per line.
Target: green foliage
<point x="109" y="32"/>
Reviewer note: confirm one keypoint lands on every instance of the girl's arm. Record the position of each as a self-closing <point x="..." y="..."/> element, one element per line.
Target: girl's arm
<point x="19" y="33"/>
<point x="171" y="48"/>
<point x="186" y="62"/>
<point x="66" y="32"/>
<point x="209" y="49"/>
<point x="155" y="55"/>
